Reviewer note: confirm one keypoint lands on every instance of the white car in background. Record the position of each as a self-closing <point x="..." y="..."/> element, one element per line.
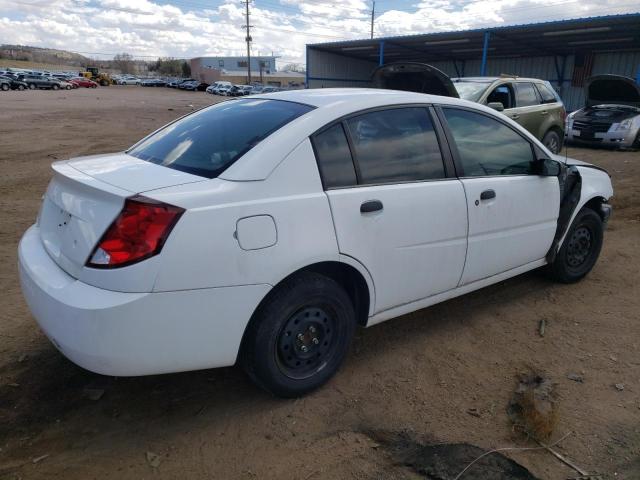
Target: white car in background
<point x="264" y="230"/>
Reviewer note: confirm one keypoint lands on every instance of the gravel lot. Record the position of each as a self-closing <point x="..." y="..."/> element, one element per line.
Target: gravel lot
<point x="415" y="378"/>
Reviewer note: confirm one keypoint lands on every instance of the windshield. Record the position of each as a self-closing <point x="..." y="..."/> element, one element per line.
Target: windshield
<point x="471" y="90"/>
<point x="206" y="142"/>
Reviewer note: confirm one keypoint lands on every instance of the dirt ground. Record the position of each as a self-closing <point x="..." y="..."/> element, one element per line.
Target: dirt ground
<point x="444" y="374"/>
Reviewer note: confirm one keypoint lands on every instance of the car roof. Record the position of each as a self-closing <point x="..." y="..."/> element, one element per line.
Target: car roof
<point x="493" y="79"/>
<point x="357" y="98"/>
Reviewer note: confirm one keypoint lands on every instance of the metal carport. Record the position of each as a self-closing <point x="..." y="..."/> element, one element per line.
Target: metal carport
<point x="564" y="52"/>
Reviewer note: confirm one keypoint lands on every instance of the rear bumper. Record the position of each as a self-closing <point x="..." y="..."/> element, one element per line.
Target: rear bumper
<point x="127" y="334"/>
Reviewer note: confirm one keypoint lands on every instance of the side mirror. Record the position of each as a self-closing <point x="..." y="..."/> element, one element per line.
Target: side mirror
<point x="546" y="167"/>
<point x="496" y="106"/>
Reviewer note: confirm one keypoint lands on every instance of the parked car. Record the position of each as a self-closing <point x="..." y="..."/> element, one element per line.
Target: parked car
<point x="153" y="82"/>
<point x="41" y="81"/>
<point x="184" y="82"/>
<point x="8" y="82"/>
<point x="84" y="82"/>
<point x="224" y="90"/>
<point x="5" y="84"/>
<point x="611" y="116"/>
<point x="129" y="80"/>
<point x="194" y="86"/>
<point x="234" y="91"/>
<point x="254" y="230"/>
<point x="531" y="102"/>
<point x="66" y="85"/>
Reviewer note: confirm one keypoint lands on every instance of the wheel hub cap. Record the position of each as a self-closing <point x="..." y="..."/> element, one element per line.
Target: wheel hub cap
<point x="305" y="342"/>
<point x="579" y="247"/>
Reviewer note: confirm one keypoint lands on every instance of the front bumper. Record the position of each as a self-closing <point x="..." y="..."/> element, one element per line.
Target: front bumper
<point x="127" y="334"/>
<point x="621" y="139"/>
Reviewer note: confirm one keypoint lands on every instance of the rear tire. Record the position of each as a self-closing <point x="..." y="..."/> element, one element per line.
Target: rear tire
<point x="299" y="336"/>
<point x="20" y="87"/>
<point x="32" y="86"/>
<point x="580" y="249"/>
<point x="55" y="87"/>
<point x="552" y="141"/>
<point x="4" y="87"/>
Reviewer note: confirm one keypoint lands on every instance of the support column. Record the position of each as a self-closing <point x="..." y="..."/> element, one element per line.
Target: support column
<point x="381" y="58"/>
<point x="306" y="67"/>
<point x="485" y="48"/>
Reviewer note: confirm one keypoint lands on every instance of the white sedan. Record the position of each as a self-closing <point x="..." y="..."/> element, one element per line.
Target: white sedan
<point x="264" y="230"/>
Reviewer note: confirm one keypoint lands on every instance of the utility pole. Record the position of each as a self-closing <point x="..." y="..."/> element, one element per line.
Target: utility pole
<point x="248" y="39"/>
<point x="373" y="13"/>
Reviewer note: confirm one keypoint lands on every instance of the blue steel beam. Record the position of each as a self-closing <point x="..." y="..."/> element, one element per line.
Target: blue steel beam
<point x="483" y="66"/>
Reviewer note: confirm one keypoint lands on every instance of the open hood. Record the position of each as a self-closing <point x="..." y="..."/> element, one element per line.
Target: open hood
<point x="612" y="90"/>
<point x="414" y="77"/>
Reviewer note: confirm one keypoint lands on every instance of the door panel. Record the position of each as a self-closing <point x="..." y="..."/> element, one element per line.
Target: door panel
<point x="513" y="228"/>
<point x="414" y="246"/>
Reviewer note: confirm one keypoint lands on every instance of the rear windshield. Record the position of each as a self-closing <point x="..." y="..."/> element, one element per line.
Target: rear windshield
<point x="206" y="142"/>
<point x="471" y="91"/>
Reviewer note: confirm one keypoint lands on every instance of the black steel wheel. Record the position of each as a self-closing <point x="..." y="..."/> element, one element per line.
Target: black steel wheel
<point x="307" y="341"/>
<point x="299" y="336"/>
<point x="580" y="249"/>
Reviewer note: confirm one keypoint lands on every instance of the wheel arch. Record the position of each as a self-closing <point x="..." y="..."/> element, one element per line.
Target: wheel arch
<point x="349" y="274"/>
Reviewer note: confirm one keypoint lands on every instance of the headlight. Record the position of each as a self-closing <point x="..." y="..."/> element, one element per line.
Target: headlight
<point x="624" y="125"/>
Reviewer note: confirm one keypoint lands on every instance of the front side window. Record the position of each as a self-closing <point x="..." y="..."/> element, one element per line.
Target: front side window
<point x="487" y="147"/>
<point x="396" y="145"/>
<point x="206" y="142"/>
<point x="502" y="94"/>
<point x="526" y="95"/>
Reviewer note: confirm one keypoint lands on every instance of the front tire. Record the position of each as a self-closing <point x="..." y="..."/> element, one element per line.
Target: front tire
<point x="32" y="86"/>
<point x="299" y="336"/>
<point x="552" y="141"/>
<point x="55" y="87"/>
<point x="581" y="248"/>
<point x="4" y="87"/>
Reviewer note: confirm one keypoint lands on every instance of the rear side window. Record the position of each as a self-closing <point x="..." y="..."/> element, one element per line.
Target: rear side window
<point x="396" y="145"/>
<point x="334" y="158"/>
<point x="487" y="147"/>
<point x="547" y="95"/>
<point x="206" y="142"/>
<point x="526" y="95"/>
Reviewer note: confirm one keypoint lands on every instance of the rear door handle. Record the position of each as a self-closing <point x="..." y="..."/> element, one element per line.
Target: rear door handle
<point x="515" y="116"/>
<point x="544" y="112"/>
<point x="488" y="195"/>
<point x="371" y="206"/>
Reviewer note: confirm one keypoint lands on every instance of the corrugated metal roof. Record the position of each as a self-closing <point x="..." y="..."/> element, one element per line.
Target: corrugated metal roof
<point x="558" y="37"/>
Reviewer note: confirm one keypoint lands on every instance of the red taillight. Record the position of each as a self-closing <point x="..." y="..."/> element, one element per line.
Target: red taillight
<point x="139" y="232"/>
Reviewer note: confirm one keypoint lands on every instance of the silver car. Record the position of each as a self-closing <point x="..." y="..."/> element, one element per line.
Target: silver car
<point x="611" y="116"/>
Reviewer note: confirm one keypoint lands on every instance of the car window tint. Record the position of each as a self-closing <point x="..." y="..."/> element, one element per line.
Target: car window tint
<point x="502" y="94"/>
<point x="547" y="95"/>
<point x="206" y="142"/>
<point x="396" y="145"/>
<point x="334" y="158"/>
<point x="526" y="95"/>
<point x="487" y="146"/>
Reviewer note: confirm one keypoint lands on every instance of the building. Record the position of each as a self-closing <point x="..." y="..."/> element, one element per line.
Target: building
<point x="563" y="52"/>
<point x="234" y="70"/>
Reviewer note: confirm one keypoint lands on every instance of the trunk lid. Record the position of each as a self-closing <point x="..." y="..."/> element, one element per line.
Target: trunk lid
<point x="84" y="197"/>
<point x="131" y="173"/>
<point x="612" y="90"/>
<point x="414" y="77"/>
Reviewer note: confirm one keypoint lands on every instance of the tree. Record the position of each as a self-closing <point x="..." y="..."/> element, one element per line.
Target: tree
<point x="124" y="62"/>
<point x="186" y="69"/>
<point x="294" y="67"/>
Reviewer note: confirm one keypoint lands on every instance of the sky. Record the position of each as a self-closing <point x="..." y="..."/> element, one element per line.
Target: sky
<point x="148" y="29"/>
